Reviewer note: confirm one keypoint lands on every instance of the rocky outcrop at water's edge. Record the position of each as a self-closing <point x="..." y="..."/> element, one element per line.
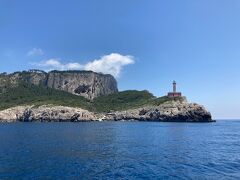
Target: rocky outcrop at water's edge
<point x="170" y="111"/>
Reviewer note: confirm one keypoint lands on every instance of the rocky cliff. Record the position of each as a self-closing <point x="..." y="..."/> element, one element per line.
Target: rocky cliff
<point x="82" y="83"/>
<point x="170" y="111"/>
<point x="24" y="97"/>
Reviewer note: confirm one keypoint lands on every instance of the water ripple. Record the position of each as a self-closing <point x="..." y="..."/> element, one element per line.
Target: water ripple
<point x="120" y="150"/>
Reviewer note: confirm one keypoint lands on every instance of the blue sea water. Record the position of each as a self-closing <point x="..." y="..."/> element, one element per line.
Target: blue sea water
<point x="120" y="150"/>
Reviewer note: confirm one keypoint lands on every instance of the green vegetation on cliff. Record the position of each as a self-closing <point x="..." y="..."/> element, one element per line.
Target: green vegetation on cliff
<point x="28" y="94"/>
<point x="123" y="100"/>
<point x="25" y="94"/>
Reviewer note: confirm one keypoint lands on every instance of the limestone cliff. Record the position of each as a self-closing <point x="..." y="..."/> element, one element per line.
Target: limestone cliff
<point x="82" y="83"/>
<point x="45" y="113"/>
<point x="171" y="111"/>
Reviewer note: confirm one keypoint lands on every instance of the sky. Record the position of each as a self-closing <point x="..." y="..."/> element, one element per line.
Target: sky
<point x="145" y="44"/>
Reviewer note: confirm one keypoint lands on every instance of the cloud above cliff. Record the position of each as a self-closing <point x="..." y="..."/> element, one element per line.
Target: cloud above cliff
<point x="55" y="64"/>
<point x="108" y="64"/>
<point x="35" y="52"/>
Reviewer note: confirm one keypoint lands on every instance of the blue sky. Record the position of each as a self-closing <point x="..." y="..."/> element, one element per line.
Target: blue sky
<point x="196" y="43"/>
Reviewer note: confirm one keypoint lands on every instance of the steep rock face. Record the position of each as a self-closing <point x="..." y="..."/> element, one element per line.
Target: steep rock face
<point x="83" y="83"/>
<point x="35" y="77"/>
<point x="87" y="84"/>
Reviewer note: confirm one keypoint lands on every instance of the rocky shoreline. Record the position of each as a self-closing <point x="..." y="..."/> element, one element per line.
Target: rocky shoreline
<point x="171" y="111"/>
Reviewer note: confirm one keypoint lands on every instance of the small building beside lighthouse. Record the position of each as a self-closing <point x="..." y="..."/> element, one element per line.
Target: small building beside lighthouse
<point x="174" y="93"/>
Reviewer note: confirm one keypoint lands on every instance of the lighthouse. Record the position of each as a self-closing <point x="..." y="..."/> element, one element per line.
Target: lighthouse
<point x="174" y="86"/>
<point x="174" y="93"/>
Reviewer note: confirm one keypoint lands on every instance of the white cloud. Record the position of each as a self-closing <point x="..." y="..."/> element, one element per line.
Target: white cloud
<point x="35" y="52"/>
<point x="57" y="65"/>
<point x="108" y="64"/>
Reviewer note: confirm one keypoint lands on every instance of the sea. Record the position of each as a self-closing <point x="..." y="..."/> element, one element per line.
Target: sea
<point x="120" y="150"/>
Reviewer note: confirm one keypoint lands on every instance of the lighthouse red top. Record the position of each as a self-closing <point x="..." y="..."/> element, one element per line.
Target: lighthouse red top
<point x="174" y="93"/>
